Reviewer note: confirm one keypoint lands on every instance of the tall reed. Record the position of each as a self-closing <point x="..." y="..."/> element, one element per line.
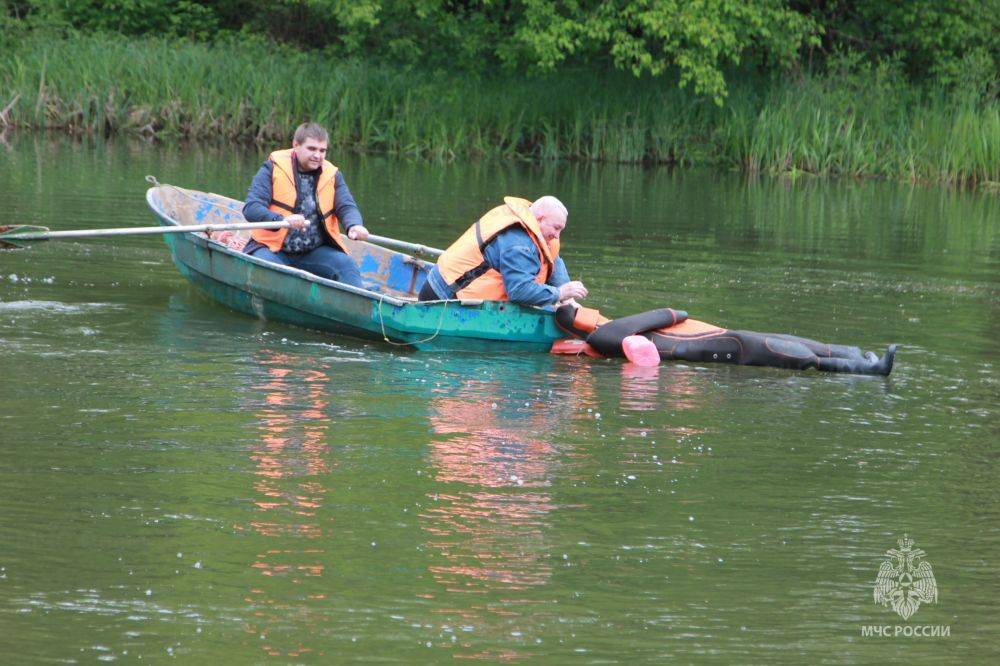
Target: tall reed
<point x="871" y="125"/>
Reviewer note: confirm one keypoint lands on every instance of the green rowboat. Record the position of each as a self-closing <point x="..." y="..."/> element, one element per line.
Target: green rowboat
<point x="387" y="310"/>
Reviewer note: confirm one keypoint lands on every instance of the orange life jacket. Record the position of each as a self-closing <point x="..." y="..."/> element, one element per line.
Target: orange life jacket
<point x="463" y="265"/>
<point x="284" y="194"/>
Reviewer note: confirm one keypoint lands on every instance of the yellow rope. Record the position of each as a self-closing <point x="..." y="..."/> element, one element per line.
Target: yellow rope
<point x="385" y="337"/>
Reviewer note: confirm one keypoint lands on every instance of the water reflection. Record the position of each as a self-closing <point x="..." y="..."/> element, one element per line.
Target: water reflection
<point x="494" y="453"/>
<point x="292" y="453"/>
<point x="289" y="424"/>
<point x="488" y="449"/>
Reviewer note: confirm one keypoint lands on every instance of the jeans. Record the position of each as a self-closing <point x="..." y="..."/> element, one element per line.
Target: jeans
<point x="325" y="261"/>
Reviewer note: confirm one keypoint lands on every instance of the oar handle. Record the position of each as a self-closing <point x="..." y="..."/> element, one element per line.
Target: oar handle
<point x="414" y="248"/>
<point x="139" y="231"/>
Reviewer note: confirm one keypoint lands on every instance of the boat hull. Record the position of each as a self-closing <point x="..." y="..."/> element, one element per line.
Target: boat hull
<point x="280" y="293"/>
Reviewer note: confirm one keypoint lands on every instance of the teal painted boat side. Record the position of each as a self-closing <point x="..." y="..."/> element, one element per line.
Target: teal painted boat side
<point x="285" y="294"/>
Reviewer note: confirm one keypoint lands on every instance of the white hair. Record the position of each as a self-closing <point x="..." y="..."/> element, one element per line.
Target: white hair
<point x="549" y="206"/>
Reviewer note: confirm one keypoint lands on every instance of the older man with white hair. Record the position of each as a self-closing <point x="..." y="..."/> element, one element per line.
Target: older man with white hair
<point x="510" y="254"/>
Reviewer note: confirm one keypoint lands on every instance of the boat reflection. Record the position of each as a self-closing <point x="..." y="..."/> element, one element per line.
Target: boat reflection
<point x="498" y="467"/>
<point x="494" y="452"/>
<point x="292" y="454"/>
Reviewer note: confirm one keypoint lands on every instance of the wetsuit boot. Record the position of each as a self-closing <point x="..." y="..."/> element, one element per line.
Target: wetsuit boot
<point x="869" y="365"/>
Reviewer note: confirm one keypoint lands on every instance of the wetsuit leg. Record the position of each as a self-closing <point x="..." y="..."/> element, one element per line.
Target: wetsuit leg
<point x="736" y="347"/>
<point x="821" y="349"/>
<point x="720" y="347"/>
<point x="788" y="351"/>
<point x="829" y="358"/>
<point x="775" y="351"/>
<point x="869" y="365"/>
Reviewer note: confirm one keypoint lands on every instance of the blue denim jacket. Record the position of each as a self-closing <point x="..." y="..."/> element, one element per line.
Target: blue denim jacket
<point x="515" y="257"/>
<point x="259" y="196"/>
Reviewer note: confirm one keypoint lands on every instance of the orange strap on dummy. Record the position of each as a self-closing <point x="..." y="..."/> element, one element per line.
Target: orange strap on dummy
<point x="588" y="319"/>
<point x="578" y="321"/>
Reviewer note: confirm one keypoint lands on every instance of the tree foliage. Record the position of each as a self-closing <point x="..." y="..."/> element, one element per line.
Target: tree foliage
<point x="955" y="42"/>
<point x="699" y="37"/>
<point x="699" y="41"/>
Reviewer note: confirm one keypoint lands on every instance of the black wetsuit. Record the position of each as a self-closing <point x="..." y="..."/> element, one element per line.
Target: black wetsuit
<point x="720" y="345"/>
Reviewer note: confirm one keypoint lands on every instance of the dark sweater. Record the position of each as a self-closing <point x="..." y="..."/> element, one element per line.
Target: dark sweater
<point x="259" y="196"/>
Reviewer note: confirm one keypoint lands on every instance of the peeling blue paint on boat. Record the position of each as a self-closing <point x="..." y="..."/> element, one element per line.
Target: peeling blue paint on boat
<point x="368" y="264"/>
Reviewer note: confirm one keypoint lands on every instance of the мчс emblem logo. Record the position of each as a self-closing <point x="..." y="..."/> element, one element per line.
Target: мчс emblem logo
<point x="904" y="582"/>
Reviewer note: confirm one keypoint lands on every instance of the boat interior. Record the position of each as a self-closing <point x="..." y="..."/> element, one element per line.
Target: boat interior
<point x="384" y="271"/>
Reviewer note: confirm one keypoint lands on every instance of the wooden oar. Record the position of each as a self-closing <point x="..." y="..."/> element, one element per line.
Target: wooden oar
<point x="413" y="248"/>
<point x="11" y="235"/>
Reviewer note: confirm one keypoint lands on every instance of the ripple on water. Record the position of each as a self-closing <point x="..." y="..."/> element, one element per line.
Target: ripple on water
<point x="55" y="307"/>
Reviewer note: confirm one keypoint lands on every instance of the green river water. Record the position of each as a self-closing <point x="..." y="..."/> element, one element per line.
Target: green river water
<point x="179" y="481"/>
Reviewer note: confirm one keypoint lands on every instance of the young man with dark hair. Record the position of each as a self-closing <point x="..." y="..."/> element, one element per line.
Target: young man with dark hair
<point x="300" y="186"/>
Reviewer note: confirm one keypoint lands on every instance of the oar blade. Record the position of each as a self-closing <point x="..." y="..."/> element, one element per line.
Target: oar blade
<point x="15" y="236"/>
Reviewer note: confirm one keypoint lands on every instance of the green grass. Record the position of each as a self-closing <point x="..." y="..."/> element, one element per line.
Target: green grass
<point x="867" y="124"/>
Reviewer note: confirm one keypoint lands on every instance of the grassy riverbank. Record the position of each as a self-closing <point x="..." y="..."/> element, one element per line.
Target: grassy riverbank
<point x="861" y="122"/>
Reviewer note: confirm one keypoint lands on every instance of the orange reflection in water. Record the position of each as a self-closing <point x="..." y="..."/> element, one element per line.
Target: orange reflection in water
<point x="495" y="456"/>
<point x="293" y="450"/>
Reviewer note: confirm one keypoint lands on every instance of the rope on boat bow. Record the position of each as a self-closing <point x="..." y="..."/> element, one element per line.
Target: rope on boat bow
<point x="385" y="337"/>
